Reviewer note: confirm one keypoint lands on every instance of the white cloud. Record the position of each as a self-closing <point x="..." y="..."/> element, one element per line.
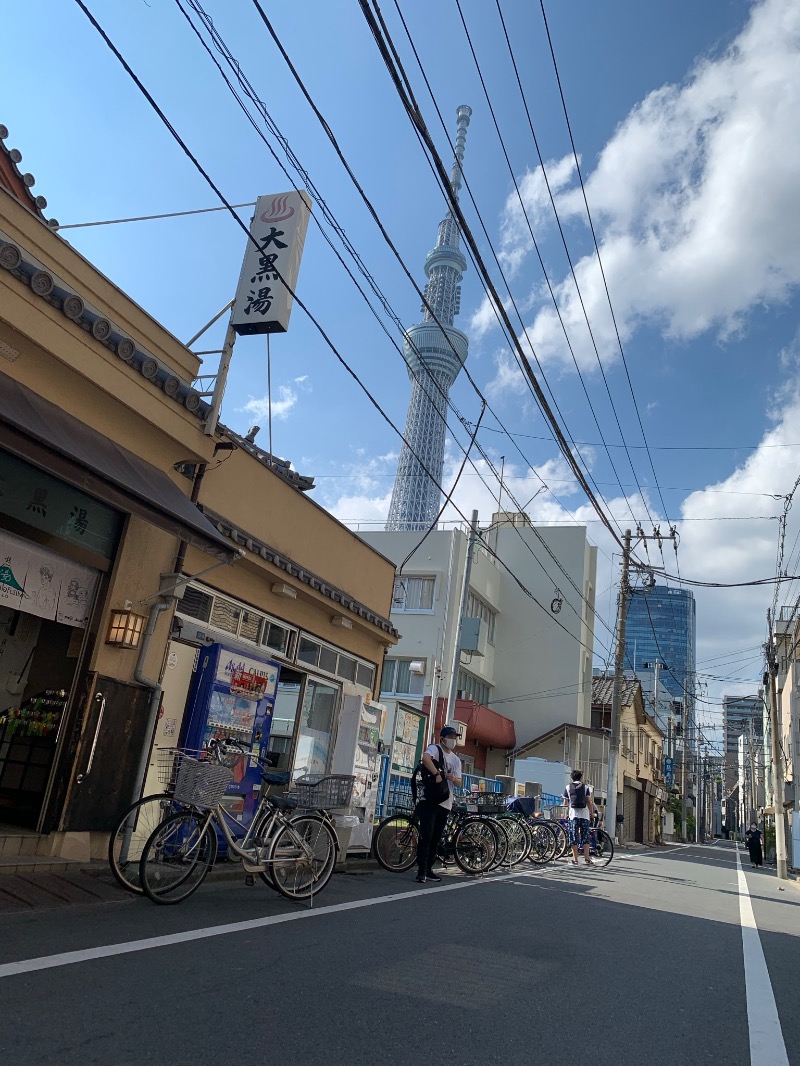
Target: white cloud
<point x="259" y="408"/>
<point x="696" y="200"/>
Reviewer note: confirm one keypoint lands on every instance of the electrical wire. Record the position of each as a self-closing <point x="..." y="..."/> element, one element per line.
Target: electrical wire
<point x="418" y="122"/>
<point x="300" y="303"/>
<point x="549" y="285"/>
<point x="305" y="177"/>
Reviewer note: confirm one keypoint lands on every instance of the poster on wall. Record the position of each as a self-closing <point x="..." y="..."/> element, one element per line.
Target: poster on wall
<point x="41" y="583"/>
<point x="409" y="736"/>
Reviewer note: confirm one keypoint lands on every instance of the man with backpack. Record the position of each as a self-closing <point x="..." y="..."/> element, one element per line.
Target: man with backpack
<point x="578" y="797"/>
<point x="441" y="772"/>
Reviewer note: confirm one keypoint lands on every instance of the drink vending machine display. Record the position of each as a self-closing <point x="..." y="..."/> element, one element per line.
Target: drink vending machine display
<point x="358" y="751"/>
<point x="233" y="695"/>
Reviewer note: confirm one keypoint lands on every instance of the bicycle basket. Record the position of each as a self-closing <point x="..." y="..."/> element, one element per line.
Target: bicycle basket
<point x="201" y="783"/>
<point x="315" y="792"/>
<point x="169" y="761"/>
<point x="484" y="802"/>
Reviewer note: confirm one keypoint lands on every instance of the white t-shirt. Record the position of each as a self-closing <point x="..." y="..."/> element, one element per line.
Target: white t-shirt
<point x="578" y="812"/>
<point x="452" y="765"/>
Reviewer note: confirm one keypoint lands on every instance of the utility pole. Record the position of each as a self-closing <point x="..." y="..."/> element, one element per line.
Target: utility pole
<point x="616" y="697"/>
<point x="685" y="766"/>
<point x="777" y="764"/>
<point x="462" y="610"/>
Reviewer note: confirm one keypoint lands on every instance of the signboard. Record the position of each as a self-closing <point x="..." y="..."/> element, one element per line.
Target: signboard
<point x="249" y="678"/>
<point x="669" y="771"/>
<point x="39" y="582"/>
<point x="271" y="265"/>
<point x="409" y="737"/>
<point x="44" y="502"/>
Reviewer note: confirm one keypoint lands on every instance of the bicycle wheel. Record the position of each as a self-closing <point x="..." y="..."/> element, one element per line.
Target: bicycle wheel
<point x="475" y="845"/>
<point x="126" y="842"/>
<point x="177" y="857"/>
<point x="605" y="849"/>
<point x="395" y="843"/>
<point x="503" y="841"/>
<point x="543" y="844"/>
<point x="301" y="857"/>
<point x="562" y="839"/>
<point x="519" y="841"/>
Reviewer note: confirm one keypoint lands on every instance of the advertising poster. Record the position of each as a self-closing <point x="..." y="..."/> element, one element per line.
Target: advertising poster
<point x="409" y="736"/>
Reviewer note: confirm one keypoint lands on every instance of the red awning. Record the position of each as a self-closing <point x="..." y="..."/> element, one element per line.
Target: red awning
<point x="489" y="728"/>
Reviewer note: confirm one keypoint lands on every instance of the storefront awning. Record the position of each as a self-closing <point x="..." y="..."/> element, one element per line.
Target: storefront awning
<point x="36" y="430"/>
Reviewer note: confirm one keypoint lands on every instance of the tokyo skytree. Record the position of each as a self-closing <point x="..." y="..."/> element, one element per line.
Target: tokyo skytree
<point x="434" y="357"/>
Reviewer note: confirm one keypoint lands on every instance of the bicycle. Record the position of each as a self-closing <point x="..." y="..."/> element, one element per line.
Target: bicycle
<point x="138" y="822"/>
<point x="601" y="846"/>
<point x="295" y="855"/>
<point x="469" y="840"/>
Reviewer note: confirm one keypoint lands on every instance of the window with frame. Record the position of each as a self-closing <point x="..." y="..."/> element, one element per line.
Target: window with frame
<point x="476" y="608"/>
<point x="413" y="593"/>
<point x="399" y="680"/>
<point x="473" y="688"/>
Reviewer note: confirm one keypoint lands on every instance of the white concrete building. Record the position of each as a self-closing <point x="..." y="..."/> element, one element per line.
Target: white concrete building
<point x="532" y="660"/>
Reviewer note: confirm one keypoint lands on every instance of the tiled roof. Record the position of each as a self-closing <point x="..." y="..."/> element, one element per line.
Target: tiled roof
<point x="603" y="688"/>
<point x="19" y="184"/>
<point x="282" y="467"/>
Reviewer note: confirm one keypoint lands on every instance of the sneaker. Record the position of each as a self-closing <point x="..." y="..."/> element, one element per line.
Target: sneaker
<point x="431" y="876"/>
<point x="590" y="862"/>
<point x="420" y="879"/>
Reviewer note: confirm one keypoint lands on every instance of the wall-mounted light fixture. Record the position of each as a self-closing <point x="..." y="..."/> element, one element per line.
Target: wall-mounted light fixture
<point x="341" y="621"/>
<point x="125" y="629"/>
<point x="279" y="589"/>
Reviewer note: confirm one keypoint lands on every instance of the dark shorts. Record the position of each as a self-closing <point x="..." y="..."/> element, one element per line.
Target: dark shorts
<point x="579" y="831"/>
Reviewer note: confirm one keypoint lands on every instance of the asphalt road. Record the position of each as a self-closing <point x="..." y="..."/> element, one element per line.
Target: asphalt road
<point x="639" y="962"/>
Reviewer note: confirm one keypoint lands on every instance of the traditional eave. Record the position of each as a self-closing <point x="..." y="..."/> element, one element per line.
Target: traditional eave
<point x="45" y="284"/>
<point x="281" y="467"/>
<point x="19" y="184"/>
<point x="343" y="600"/>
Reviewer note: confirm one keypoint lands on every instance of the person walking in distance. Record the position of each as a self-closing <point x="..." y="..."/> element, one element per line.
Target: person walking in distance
<point x="440" y="764"/>
<point x="578" y="797"/>
<point x="753" y="838"/>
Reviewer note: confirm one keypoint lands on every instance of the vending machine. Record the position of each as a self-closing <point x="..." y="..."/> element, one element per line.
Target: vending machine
<point x="357" y="751"/>
<point x="232" y="696"/>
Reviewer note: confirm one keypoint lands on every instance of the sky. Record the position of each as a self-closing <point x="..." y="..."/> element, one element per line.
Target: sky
<point x="684" y="118"/>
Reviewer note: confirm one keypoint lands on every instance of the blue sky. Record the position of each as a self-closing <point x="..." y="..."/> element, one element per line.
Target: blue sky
<point x="684" y="117"/>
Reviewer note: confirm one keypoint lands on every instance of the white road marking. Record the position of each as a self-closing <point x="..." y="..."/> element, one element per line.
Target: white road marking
<point x="767" y="1047"/>
<point x="68" y="958"/>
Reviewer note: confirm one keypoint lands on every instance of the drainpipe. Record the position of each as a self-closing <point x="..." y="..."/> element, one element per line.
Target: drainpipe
<point x="156" y="689"/>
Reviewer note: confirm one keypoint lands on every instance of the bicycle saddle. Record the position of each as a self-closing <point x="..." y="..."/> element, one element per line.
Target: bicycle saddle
<point x="284" y="803"/>
<point x="275" y="777"/>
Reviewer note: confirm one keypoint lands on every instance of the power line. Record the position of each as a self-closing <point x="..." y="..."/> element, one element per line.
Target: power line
<point x="599" y="257"/>
<point x="418" y="122"/>
<point x="179" y="140"/>
<point x="547" y="280"/>
<point x="305" y="177"/>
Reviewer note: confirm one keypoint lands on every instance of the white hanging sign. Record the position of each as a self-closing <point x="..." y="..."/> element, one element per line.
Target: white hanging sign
<point x="263" y="302"/>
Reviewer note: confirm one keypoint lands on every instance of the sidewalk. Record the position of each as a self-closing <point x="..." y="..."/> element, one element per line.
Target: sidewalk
<point x="93" y="883"/>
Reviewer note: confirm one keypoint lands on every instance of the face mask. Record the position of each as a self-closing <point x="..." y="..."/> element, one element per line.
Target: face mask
<point x="449" y="743"/>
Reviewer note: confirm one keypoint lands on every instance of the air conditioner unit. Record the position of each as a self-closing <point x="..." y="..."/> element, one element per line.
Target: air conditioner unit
<point x="473" y="636"/>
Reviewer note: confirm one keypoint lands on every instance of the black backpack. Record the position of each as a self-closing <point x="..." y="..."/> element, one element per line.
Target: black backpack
<point x="577" y="795"/>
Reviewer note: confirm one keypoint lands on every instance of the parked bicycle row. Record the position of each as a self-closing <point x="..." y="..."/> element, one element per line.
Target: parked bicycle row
<point x="165" y="844"/>
<point x="483" y="833"/>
